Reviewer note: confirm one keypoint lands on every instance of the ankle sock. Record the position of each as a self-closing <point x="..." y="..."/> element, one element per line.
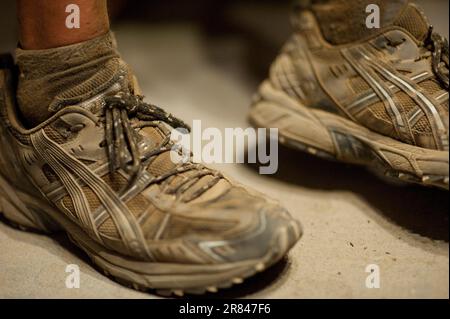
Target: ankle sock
<point x="53" y="78"/>
<point x="344" y="21"/>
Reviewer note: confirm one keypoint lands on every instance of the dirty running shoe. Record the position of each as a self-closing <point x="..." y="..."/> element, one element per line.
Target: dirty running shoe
<point x="101" y="171"/>
<point x="377" y="97"/>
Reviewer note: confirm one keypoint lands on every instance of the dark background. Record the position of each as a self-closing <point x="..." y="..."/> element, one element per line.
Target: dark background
<point x="264" y="23"/>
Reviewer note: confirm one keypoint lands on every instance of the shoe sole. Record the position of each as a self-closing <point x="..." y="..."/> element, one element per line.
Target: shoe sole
<point x="331" y="136"/>
<point x="32" y="214"/>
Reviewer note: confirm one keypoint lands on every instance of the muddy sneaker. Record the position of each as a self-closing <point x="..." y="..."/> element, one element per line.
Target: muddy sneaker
<point x="101" y="171"/>
<point x="377" y="97"/>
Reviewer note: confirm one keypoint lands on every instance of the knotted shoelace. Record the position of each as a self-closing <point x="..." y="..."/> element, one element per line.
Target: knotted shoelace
<point x="439" y="53"/>
<point x="121" y="141"/>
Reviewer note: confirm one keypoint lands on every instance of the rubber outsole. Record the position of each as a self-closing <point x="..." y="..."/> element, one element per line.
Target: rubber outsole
<point x="333" y="137"/>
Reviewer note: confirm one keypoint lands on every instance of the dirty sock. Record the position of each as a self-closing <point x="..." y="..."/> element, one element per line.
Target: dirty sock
<point x="53" y="78"/>
<point x="344" y="21"/>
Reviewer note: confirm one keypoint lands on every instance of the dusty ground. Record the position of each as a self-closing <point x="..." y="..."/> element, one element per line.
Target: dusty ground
<point x="351" y="218"/>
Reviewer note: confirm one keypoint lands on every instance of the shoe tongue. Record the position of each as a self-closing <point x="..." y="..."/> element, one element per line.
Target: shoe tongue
<point x="114" y="76"/>
<point x="413" y="20"/>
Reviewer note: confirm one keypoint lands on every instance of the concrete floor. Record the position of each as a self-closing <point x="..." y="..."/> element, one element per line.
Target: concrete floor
<point x="351" y="218"/>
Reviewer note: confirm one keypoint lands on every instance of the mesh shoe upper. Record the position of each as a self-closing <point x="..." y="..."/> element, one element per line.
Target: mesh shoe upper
<point x="393" y="80"/>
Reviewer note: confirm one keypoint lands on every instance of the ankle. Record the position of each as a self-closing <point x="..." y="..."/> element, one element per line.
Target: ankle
<point x="53" y="78"/>
<point x="343" y="21"/>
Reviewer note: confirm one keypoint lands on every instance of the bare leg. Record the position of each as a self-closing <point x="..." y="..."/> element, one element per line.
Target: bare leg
<point x="43" y="22"/>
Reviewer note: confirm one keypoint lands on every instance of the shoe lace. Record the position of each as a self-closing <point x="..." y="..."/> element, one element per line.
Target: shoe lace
<point x="122" y="142"/>
<point x="438" y="46"/>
